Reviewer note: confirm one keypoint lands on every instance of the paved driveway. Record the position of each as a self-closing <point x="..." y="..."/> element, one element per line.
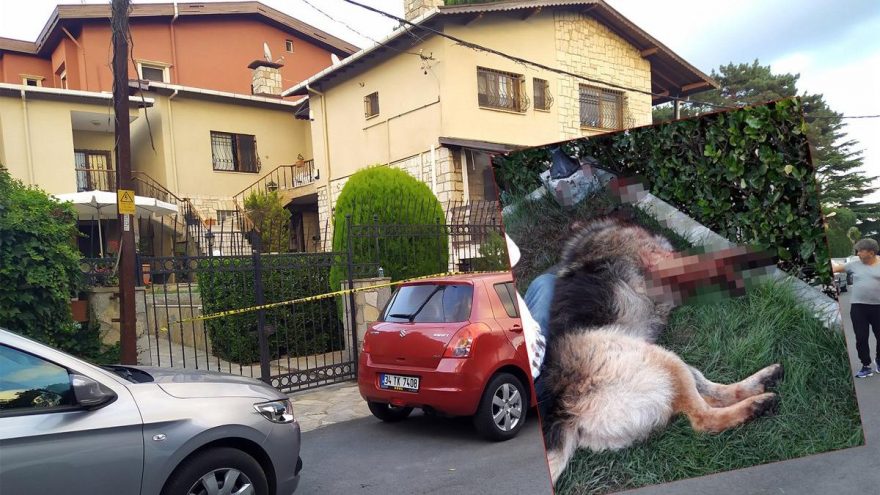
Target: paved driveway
<point x="422" y="455"/>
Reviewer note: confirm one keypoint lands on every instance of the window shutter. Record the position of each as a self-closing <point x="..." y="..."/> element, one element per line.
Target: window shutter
<point x="246" y="153"/>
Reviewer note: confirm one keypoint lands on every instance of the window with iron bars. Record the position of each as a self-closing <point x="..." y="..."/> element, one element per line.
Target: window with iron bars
<point x="543" y="99"/>
<point x="371" y="105"/>
<point x="502" y="90"/>
<point x="234" y="152"/>
<point x="600" y="107"/>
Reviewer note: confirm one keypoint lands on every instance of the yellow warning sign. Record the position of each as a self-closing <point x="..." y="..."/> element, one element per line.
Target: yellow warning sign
<point x="125" y="201"/>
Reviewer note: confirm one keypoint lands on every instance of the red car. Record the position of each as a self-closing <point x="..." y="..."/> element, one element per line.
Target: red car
<point x="452" y="346"/>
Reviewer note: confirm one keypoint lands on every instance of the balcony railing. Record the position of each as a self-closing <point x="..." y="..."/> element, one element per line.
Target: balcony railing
<point x="283" y="177"/>
<point x="95" y="179"/>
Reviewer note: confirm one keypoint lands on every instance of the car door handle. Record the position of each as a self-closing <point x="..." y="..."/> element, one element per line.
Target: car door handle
<point x="516" y="328"/>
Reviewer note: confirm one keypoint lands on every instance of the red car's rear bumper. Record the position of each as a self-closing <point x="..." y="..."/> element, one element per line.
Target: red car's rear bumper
<point x="453" y="388"/>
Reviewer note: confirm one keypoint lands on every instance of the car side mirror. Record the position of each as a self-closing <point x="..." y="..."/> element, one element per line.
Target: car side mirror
<point x="89" y="393"/>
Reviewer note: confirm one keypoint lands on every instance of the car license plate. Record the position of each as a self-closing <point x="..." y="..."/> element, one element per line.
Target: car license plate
<point x="397" y="382"/>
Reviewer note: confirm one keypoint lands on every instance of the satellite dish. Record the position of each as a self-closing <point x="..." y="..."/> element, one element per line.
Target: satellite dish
<point x="266" y="52"/>
<point x="334" y="59"/>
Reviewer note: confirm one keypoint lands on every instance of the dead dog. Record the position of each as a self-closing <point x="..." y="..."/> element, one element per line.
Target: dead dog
<point x="608" y="385"/>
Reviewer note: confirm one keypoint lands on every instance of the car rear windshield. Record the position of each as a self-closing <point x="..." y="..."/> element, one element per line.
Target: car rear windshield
<point x="430" y="303"/>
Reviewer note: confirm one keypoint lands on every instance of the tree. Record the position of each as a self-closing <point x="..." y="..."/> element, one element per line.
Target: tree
<point x="271" y="218"/>
<point x="407" y="238"/>
<point x="841" y="183"/>
<point x="841" y="221"/>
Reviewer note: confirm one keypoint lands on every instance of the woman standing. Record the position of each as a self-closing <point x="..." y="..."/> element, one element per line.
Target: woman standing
<point x="865" y="300"/>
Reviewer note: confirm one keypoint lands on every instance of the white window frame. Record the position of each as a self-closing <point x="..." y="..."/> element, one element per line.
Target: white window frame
<point x="166" y="73"/>
<point x="25" y="78"/>
<point x="289" y="43"/>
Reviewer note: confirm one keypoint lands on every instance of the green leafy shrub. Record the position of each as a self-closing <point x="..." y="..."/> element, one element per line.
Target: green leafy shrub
<point x="745" y="174"/>
<point x="303" y="329"/>
<point x="39" y="268"/>
<point x="493" y="254"/>
<point x="271" y="218"/>
<point x="408" y="239"/>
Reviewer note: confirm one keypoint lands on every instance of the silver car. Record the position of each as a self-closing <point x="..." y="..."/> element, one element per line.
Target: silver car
<point x="67" y="426"/>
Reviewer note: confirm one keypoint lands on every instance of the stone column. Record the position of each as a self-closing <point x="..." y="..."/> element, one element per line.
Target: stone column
<point x="368" y="304"/>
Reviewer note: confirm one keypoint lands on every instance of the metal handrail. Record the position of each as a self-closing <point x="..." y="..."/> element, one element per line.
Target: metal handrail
<point x="281" y="177"/>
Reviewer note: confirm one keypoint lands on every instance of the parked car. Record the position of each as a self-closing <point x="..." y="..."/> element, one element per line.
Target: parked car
<point x="452" y="346"/>
<point x="67" y="426"/>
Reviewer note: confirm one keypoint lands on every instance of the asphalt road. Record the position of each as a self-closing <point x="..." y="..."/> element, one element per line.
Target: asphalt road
<point x="421" y="455"/>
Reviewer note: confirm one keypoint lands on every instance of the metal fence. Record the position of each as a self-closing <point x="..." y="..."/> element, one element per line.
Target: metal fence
<point x="292" y="346"/>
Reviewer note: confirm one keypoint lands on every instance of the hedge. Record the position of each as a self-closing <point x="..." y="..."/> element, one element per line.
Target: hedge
<point x="408" y="240"/>
<point x="745" y="174"/>
<point x="39" y="269"/>
<point x="303" y="329"/>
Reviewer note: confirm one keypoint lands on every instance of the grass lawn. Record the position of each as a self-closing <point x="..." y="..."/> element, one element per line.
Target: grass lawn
<point x="728" y="340"/>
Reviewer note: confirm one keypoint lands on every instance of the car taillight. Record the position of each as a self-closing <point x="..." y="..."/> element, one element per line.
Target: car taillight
<point x="462" y="343"/>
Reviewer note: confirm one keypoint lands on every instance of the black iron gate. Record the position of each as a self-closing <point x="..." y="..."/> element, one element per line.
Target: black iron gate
<point x="200" y="303"/>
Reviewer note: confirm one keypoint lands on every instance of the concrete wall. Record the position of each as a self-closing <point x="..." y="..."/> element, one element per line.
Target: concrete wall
<point x="49" y="162"/>
<point x="408" y="121"/>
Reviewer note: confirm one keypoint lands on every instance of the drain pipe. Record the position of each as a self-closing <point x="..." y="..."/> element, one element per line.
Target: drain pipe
<point x="27" y="138"/>
<point x="326" y="135"/>
<point x="174" y="45"/>
<point x="173" y="146"/>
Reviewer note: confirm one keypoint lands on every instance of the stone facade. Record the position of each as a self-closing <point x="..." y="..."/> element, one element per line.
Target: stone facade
<point x="415" y="8"/>
<point x="267" y="81"/>
<point x="585" y="46"/>
<point x="104" y="308"/>
<point x="368" y="303"/>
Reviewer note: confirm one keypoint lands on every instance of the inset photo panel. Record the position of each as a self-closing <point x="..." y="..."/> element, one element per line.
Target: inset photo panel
<point x="689" y="325"/>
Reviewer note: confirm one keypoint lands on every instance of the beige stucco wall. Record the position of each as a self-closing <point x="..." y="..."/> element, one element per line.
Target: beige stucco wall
<point x="94" y="141"/>
<point x="408" y="122"/>
<point x="188" y="165"/>
<point x="152" y="156"/>
<point x="531" y="39"/>
<point x="52" y="141"/>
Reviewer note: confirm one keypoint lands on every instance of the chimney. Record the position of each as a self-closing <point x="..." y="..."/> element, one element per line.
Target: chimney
<point x="415" y="8"/>
<point x="266" y="78"/>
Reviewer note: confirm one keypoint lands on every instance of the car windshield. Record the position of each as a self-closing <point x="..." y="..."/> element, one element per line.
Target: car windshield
<point x="430" y="303"/>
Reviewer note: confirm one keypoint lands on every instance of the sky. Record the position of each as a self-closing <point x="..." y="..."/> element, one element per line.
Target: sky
<point x="832" y="45"/>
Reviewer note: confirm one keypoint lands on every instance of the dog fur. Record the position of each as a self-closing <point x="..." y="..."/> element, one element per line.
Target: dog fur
<point x="607" y="384"/>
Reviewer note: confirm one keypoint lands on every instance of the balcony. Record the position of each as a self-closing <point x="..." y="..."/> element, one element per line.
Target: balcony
<point x="95" y="179"/>
<point x="282" y="178"/>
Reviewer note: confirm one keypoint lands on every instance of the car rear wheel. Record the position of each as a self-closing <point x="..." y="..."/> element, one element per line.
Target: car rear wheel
<point x="218" y="471"/>
<point x="389" y="413"/>
<point x="502" y="409"/>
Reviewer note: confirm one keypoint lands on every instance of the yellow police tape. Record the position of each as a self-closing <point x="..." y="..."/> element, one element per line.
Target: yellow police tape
<point x="251" y="309"/>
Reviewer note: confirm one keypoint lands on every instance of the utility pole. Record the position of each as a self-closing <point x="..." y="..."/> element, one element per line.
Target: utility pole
<point x="122" y="150"/>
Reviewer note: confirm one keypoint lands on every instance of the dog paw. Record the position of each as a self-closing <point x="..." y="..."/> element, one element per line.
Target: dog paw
<point x="765" y="405"/>
<point x="774" y="375"/>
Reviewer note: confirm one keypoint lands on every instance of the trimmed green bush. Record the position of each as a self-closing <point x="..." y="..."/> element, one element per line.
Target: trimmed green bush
<point x="408" y="239"/>
<point x="39" y="268"/>
<point x="302" y="329"/>
<point x="745" y="174"/>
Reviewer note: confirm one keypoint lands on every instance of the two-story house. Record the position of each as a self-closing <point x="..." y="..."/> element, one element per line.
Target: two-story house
<point x="208" y="118"/>
<point x="438" y="108"/>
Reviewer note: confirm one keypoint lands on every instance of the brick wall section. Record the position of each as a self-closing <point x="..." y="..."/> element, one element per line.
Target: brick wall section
<point x="585" y="46"/>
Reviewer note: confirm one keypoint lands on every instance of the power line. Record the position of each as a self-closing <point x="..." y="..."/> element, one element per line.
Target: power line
<point x="356" y="31"/>
<point x="523" y="61"/>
